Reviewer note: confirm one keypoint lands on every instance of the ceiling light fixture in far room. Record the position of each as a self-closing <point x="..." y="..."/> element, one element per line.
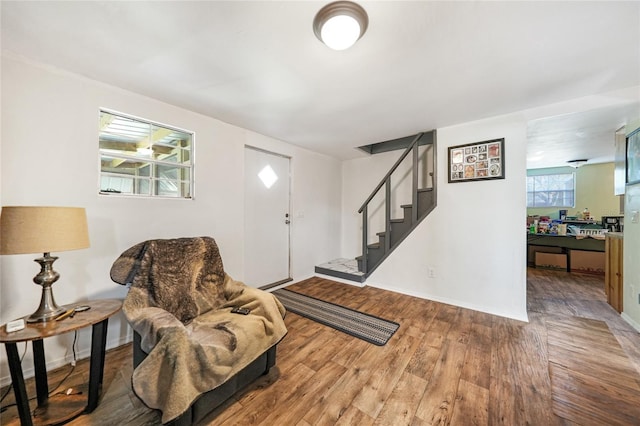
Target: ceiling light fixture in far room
<point x="340" y="24"/>
<point x="577" y="163"/>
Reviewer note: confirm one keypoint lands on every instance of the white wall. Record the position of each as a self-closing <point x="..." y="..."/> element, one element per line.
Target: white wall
<point x="474" y="239"/>
<point x="50" y="157"/>
<point x="359" y="178"/>
<point x="363" y="175"/>
<point x="631" y="273"/>
<point x="631" y="267"/>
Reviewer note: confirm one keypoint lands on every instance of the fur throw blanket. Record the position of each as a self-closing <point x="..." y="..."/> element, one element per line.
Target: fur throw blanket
<point x="180" y="303"/>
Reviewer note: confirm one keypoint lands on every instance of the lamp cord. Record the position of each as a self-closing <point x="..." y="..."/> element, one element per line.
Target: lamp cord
<point x="73" y="367"/>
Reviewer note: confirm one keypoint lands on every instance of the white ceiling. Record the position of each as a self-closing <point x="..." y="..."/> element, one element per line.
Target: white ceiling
<point x="421" y="65"/>
<point x="588" y="135"/>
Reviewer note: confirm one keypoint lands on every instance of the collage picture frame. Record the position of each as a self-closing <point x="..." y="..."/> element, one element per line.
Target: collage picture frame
<point x="477" y="161"/>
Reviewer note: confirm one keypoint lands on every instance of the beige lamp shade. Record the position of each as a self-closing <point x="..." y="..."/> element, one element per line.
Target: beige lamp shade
<point x="42" y="229"/>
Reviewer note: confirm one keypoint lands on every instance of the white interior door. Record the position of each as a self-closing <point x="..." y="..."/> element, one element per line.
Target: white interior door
<point x="266" y="226"/>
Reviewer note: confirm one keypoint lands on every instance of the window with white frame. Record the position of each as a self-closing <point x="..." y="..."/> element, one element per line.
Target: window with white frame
<point x="555" y="190"/>
<point x="141" y="158"/>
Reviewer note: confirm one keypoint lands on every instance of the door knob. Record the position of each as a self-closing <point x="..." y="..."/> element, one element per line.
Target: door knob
<point x="287" y="221"/>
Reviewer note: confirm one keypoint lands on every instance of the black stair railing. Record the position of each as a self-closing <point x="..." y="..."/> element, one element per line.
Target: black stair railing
<point x="386" y="182"/>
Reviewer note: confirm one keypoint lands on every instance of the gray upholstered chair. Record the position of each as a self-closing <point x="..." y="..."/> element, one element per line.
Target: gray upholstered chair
<point x="191" y="352"/>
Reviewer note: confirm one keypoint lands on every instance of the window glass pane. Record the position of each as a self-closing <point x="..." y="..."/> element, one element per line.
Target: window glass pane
<point x="118" y="166"/>
<point x="144" y="158"/>
<point x="143" y="187"/>
<point x="551" y="190"/>
<point x="530" y="184"/>
<point x="144" y="170"/>
<point x="167" y="188"/>
<point x="116" y="185"/>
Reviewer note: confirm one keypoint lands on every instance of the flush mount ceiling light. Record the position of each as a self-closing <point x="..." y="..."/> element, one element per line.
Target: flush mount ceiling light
<point x="340" y="24"/>
<point x="577" y="163"/>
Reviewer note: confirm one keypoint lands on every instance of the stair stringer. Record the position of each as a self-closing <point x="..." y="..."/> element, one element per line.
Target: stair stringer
<point x="377" y="253"/>
<point x="401" y="239"/>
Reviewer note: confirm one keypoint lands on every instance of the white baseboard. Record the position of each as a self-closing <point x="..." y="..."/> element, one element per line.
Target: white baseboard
<point x="447" y="301"/>
<point x="287" y="284"/>
<point x="340" y="280"/>
<point x="631" y="322"/>
<point x="316" y="274"/>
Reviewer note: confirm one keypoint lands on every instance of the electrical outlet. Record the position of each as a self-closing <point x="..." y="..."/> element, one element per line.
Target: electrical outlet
<point x="635" y="215"/>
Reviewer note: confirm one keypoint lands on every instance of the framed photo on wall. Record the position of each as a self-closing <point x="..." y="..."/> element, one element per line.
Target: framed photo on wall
<point x="633" y="158"/>
<point x="477" y="161"/>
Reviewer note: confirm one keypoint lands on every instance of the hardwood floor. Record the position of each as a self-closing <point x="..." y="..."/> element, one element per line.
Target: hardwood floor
<point x="445" y="365"/>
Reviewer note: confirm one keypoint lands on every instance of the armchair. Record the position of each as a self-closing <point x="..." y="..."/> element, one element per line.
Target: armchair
<point x="190" y="351"/>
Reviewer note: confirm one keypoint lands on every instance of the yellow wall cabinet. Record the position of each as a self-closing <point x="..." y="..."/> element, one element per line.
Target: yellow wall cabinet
<point x="613" y="270"/>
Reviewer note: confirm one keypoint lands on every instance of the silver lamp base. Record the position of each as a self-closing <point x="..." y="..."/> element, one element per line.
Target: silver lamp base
<point x="48" y="309"/>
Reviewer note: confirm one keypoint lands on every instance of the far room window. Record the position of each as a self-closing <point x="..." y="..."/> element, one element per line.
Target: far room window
<point x="142" y="158"/>
<point x="557" y="190"/>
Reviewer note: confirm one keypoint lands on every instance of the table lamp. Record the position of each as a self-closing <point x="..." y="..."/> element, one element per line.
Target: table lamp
<point x="43" y="230"/>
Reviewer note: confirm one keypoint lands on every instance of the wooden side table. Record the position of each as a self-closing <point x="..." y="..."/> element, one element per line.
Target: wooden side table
<point x="98" y="318"/>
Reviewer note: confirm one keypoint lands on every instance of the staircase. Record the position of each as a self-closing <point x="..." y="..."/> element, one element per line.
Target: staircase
<point x="411" y="181"/>
<point x="423" y="201"/>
